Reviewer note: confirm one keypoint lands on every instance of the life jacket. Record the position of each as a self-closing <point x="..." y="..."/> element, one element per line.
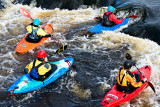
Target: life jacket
<point x="34" y="71"/>
<point x="127" y="82"/>
<point x="106" y="21"/>
<point x="34" y="34"/>
<point x="121" y="78"/>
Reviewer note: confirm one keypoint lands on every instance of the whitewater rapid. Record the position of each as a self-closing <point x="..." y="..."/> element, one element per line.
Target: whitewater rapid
<point x="12" y="30"/>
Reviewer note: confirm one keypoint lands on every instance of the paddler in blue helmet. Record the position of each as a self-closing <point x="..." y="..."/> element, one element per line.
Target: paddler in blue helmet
<point x="36" y="32"/>
<point x="127" y="81"/>
<point x="40" y="68"/>
<point x="109" y="19"/>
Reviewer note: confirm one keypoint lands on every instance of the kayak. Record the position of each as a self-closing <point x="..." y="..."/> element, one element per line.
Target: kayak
<point x="99" y="28"/>
<point x="115" y="97"/>
<point x="27" y="44"/>
<point x="26" y="84"/>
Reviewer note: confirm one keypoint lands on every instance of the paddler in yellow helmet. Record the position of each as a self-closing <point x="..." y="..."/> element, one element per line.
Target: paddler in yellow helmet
<point x="40" y="68"/>
<point x="126" y="81"/>
<point x="36" y="32"/>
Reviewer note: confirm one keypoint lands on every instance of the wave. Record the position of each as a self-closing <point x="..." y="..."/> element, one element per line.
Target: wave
<point x="97" y="58"/>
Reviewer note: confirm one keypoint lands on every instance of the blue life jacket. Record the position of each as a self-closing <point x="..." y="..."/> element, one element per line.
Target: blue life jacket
<point x="34" y="34"/>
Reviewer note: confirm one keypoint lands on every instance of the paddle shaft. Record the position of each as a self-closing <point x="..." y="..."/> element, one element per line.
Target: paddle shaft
<point x="129" y="57"/>
<point x="132" y="16"/>
<point x="149" y="83"/>
<point x="140" y="72"/>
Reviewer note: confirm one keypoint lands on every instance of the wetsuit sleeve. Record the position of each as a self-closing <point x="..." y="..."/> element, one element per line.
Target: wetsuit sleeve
<point x="118" y="75"/>
<point x="29" y="28"/>
<point x="131" y="78"/>
<point x="28" y="68"/>
<point x="48" y="35"/>
<point x="42" y="70"/>
<point x="113" y="18"/>
<point x="41" y="32"/>
<point x="104" y="13"/>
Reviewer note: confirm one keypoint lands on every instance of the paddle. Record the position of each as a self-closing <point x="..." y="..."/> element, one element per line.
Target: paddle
<point x="60" y="49"/>
<point x="150" y="84"/>
<point x="99" y="18"/>
<point x="131" y="16"/>
<point x="128" y="57"/>
<point x="25" y="13"/>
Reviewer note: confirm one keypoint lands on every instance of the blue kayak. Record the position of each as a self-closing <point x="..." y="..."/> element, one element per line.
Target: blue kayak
<point x="99" y="28"/>
<point x="25" y="83"/>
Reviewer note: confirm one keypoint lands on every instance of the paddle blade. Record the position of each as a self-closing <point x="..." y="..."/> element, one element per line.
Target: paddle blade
<point x="128" y="56"/>
<point x="60" y="49"/>
<point x="132" y="16"/>
<point x="152" y="87"/>
<point x="98" y="18"/>
<point x="25" y="13"/>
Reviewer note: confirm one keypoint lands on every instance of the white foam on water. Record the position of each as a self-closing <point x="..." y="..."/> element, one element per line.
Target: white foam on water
<point x="144" y="51"/>
<point x="72" y="73"/>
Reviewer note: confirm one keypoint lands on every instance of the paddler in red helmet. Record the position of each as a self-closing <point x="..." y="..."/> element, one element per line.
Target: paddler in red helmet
<point x="109" y="19"/>
<point x="40" y="68"/>
<point x="127" y="82"/>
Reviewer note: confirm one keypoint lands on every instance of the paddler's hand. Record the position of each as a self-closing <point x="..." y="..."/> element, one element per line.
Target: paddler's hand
<point x="133" y="63"/>
<point x="145" y="79"/>
<point x="46" y="59"/>
<point x="123" y="17"/>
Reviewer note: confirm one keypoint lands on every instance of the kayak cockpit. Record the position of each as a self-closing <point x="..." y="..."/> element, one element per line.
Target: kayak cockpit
<point x="30" y="39"/>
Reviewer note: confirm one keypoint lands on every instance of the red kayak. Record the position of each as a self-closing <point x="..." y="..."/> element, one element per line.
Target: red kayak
<point x="115" y="97"/>
<point x="27" y="44"/>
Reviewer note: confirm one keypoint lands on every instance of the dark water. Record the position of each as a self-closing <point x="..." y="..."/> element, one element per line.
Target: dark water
<point x="149" y="27"/>
<point x="86" y="88"/>
<point x="97" y="57"/>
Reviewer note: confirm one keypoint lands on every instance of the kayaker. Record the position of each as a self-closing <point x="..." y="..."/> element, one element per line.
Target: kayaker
<point x="36" y="32"/>
<point x="109" y="19"/>
<point x="40" y="68"/>
<point x="126" y="81"/>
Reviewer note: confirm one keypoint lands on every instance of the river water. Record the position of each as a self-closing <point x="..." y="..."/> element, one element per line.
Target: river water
<point x="97" y="57"/>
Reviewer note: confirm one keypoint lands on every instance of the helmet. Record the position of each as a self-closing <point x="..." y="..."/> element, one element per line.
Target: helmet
<point x="111" y="8"/>
<point x="36" y="22"/>
<point x="128" y="64"/>
<point x="41" y="54"/>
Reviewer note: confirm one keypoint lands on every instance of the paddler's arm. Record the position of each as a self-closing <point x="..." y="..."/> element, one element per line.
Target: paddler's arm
<point x="28" y="68"/>
<point x="131" y="78"/>
<point x="115" y="20"/>
<point x="48" y="35"/>
<point x="29" y="28"/>
<point x="45" y="69"/>
<point x="43" y="33"/>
